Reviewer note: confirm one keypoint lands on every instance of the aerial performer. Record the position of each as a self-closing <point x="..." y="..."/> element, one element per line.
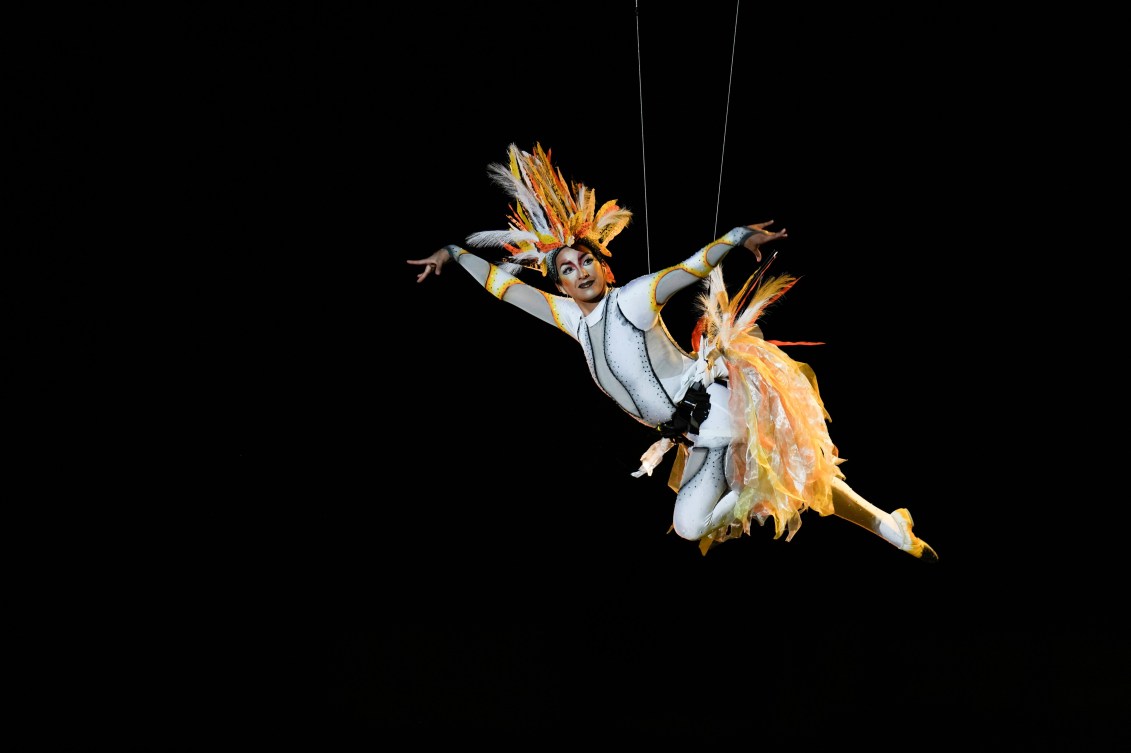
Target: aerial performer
<point x="746" y="420"/>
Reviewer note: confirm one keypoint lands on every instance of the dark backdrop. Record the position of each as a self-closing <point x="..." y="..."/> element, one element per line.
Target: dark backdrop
<point x="349" y="504"/>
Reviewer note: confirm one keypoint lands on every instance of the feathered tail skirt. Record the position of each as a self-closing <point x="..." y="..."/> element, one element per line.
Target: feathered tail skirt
<point x="782" y="460"/>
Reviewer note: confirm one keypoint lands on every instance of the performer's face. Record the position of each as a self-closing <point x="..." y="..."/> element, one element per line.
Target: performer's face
<point x="582" y="277"/>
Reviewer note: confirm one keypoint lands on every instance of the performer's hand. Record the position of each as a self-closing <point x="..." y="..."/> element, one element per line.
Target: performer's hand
<point x="760" y="236"/>
<point x="431" y="264"/>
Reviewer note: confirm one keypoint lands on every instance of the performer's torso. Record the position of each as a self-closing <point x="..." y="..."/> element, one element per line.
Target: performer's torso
<point x="641" y="369"/>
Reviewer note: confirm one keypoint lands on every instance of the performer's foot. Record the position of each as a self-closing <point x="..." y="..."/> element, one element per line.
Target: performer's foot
<point x="912" y="544"/>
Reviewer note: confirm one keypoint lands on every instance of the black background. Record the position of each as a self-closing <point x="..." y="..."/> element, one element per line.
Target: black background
<point x="334" y="503"/>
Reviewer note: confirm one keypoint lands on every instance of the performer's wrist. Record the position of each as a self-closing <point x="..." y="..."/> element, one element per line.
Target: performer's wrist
<point x="738" y="235"/>
<point x="454" y="251"/>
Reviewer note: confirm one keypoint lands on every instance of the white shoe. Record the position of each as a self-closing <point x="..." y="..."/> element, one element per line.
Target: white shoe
<point x="912" y="544"/>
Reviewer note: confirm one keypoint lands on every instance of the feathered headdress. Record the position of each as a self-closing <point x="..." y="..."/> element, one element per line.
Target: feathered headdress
<point x="548" y="213"/>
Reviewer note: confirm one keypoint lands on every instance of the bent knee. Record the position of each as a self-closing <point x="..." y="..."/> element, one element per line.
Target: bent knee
<point x="690" y="525"/>
<point x="694" y="517"/>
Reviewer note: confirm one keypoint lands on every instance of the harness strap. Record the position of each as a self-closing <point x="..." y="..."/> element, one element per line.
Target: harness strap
<point x="690" y="413"/>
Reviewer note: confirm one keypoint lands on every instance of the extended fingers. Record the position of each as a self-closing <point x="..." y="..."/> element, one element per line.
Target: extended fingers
<point x="430" y="266"/>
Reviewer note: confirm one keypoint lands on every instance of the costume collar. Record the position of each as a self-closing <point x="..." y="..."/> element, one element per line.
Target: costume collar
<point x="595" y="317"/>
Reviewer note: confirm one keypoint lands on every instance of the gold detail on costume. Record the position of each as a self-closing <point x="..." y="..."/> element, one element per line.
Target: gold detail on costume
<point x="676" y="476"/>
<point x="552" y="302"/>
<point x="498" y="281"/>
<point x="702" y="267"/>
<point x="652" y="304"/>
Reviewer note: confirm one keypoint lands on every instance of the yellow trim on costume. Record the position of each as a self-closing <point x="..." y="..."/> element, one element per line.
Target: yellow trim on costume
<point x="702" y="268"/>
<point x="652" y="304"/>
<point x="552" y="301"/>
<point x="498" y="281"/>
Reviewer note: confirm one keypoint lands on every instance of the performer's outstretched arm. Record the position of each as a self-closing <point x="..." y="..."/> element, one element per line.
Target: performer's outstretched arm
<point x="501" y="284"/>
<point x="646" y="295"/>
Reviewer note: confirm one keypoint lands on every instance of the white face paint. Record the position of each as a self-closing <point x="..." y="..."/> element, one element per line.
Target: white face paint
<point x="582" y="277"/>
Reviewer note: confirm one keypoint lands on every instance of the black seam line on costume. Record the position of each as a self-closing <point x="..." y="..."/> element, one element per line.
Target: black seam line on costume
<point x="591" y="360"/>
<point x="647" y="355"/>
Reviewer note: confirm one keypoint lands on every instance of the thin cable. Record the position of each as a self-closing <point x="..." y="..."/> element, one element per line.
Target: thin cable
<point x="722" y="156"/>
<point x="643" y="160"/>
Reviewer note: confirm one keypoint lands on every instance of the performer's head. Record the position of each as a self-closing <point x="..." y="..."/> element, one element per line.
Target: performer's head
<point x="580" y="273"/>
<point x="581" y="249"/>
<point x="550" y="215"/>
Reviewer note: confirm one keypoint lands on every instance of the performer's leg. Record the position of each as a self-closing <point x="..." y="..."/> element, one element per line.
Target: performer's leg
<point x="705" y="502"/>
<point x="893" y="527"/>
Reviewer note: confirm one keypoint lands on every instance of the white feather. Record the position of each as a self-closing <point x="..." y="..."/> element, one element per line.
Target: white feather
<point x="522" y="257"/>
<point x="502" y="175"/>
<point x="618" y="216"/>
<point x="485" y="238"/>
